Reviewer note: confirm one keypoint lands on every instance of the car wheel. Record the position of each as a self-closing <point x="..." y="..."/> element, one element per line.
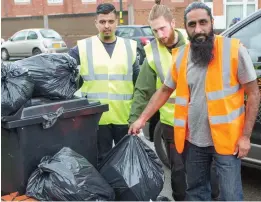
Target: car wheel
<point x="4" y="54"/>
<point x="140" y="57"/>
<point x="160" y="146"/>
<point x="36" y="51"/>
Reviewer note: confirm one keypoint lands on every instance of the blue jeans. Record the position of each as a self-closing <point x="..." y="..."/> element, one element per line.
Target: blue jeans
<point x="198" y="162"/>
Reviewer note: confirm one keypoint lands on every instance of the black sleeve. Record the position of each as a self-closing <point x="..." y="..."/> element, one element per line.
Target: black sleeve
<point x="74" y="52"/>
<point x="136" y="71"/>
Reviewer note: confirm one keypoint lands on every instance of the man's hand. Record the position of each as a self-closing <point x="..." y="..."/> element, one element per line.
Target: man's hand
<point x="136" y="126"/>
<point x="243" y="146"/>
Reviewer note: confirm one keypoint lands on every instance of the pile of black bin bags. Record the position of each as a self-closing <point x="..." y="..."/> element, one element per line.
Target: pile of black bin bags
<point x="130" y="172"/>
<point x="54" y="76"/>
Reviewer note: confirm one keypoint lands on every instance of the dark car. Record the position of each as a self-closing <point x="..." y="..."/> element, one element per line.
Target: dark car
<point x="249" y="33"/>
<point x="140" y="33"/>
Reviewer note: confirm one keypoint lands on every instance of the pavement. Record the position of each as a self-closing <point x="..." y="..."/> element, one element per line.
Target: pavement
<point x="251" y="179"/>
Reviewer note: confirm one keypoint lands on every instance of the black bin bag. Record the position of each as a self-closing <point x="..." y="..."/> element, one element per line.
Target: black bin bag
<point x="16" y="88"/>
<point x="55" y="75"/>
<point x="68" y="176"/>
<point x="133" y="170"/>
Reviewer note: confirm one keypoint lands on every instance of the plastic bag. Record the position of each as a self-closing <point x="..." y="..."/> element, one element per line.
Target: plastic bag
<point x="133" y="170"/>
<point x="68" y="176"/>
<point x="55" y="75"/>
<point x="16" y="88"/>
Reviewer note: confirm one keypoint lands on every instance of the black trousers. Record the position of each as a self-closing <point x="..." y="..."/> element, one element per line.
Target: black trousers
<point x="178" y="177"/>
<point x="176" y="160"/>
<point x="106" y="135"/>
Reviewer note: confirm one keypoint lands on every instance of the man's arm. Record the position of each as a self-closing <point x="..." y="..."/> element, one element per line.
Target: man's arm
<point x="74" y="52"/>
<point x="156" y="102"/>
<point x="252" y="106"/>
<point x="145" y="87"/>
<point x="247" y="78"/>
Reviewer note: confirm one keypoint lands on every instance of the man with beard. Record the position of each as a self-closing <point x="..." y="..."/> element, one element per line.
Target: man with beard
<point x="210" y="75"/>
<point x="151" y="77"/>
<point x="109" y="69"/>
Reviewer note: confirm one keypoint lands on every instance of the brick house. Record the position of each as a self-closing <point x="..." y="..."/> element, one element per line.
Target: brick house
<point x="223" y="10"/>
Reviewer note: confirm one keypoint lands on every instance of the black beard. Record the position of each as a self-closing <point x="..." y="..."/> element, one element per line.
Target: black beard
<point x="202" y="51"/>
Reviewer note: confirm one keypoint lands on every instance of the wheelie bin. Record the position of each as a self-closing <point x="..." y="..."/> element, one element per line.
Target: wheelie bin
<point x="42" y="128"/>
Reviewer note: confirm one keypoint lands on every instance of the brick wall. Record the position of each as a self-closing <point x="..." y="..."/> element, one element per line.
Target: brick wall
<point x="70" y="27"/>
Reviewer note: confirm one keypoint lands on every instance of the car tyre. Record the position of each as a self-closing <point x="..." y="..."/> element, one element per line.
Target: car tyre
<point x="36" y="51"/>
<point x="140" y="58"/>
<point x="4" y="54"/>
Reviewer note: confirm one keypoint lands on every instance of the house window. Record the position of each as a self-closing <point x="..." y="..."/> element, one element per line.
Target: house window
<point x="55" y="1"/>
<point x="239" y="9"/>
<point x="22" y="1"/>
<point x="88" y="1"/>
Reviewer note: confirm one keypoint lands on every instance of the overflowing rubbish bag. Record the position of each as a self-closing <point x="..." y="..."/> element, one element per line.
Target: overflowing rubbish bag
<point x="133" y="170"/>
<point x="55" y="75"/>
<point x="68" y="176"/>
<point x="16" y="88"/>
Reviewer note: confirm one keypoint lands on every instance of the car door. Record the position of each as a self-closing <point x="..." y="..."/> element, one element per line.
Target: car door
<point x="17" y="42"/>
<point x="31" y="42"/>
<point x="250" y="35"/>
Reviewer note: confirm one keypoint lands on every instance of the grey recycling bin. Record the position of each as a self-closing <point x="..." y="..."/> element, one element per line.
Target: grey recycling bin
<point x="43" y="128"/>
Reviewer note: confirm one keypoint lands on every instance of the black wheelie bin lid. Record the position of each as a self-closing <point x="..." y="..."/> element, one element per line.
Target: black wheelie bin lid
<point x="45" y="111"/>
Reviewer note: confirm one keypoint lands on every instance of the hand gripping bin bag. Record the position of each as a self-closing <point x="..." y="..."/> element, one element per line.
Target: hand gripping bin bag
<point x="42" y="129"/>
<point x="133" y="170"/>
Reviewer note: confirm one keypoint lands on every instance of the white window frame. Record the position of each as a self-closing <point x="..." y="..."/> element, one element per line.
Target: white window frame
<point x="243" y="2"/>
<point x="88" y="1"/>
<point x="54" y="2"/>
<point x="22" y="1"/>
<point x="210" y="5"/>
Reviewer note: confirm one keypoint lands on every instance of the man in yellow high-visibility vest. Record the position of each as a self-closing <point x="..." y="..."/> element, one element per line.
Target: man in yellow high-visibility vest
<point x="109" y="68"/>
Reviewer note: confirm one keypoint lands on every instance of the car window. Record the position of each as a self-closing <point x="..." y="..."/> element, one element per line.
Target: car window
<point x="147" y="31"/>
<point x="19" y="36"/>
<point x="49" y="33"/>
<point x="250" y="36"/>
<point x="32" y="35"/>
<point x="126" y="32"/>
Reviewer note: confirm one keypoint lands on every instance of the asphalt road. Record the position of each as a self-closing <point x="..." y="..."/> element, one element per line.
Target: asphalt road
<point x="251" y="179"/>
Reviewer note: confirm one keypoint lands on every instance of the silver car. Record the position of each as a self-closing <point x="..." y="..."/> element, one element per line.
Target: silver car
<point x="30" y="42"/>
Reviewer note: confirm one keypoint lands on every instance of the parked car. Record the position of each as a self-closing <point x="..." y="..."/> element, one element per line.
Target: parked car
<point x="140" y="33"/>
<point x="30" y="42"/>
<point x="249" y="33"/>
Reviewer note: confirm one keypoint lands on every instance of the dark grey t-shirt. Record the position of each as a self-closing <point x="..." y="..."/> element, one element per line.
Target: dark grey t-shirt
<point x="198" y="124"/>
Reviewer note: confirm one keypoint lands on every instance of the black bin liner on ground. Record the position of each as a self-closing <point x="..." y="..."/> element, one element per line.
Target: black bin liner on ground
<point x="42" y="129"/>
<point x="16" y="88"/>
<point x="133" y="170"/>
<point x="68" y="176"/>
<point x="55" y="75"/>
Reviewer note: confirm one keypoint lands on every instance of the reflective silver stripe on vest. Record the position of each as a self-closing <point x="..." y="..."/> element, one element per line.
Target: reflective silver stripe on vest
<point x="156" y="57"/>
<point x="112" y="77"/>
<point x="171" y="100"/>
<point x="226" y="71"/>
<point x="180" y="56"/>
<point x="181" y="101"/>
<point x="116" y="77"/>
<point x="227" y="118"/>
<point x="179" y="122"/>
<point x="108" y="96"/>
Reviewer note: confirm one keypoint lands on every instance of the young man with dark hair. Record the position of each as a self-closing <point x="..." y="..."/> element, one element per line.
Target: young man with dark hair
<point x="109" y="69"/>
<point x="210" y="76"/>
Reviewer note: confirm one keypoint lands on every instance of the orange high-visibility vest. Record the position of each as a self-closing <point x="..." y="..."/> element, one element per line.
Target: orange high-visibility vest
<point x="225" y="96"/>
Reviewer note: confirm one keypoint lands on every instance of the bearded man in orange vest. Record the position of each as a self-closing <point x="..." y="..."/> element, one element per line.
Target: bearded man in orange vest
<point x="210" y="75"/>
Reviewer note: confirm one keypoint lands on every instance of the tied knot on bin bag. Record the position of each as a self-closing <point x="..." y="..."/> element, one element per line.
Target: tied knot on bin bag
<point x="133" y="170"/>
